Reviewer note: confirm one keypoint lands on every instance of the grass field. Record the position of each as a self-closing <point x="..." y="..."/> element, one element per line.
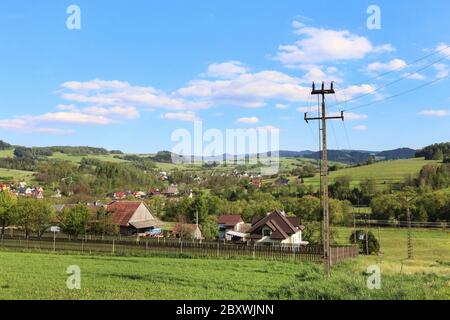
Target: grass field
<point x="25" y="275"/>
<point x="7" y="153"/>
<point x="6" y="175"/>
<point x="382" y="172"/>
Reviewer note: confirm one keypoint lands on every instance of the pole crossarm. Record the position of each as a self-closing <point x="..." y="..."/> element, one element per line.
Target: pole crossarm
<point x="341" y="117"/>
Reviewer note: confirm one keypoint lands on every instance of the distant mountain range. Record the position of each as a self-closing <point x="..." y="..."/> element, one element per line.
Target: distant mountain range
<point x="350" y="157"/>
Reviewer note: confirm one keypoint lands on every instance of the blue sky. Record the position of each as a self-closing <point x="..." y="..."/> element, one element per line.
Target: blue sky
<point x="136" y="71"/>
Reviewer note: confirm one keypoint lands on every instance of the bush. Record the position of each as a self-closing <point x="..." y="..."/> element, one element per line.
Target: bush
<point x="374" y="245"/>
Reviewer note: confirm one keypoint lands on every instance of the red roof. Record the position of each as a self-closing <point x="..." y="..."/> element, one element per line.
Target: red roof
<point x="282" y="227"/>
<point x="230" y="220"/>
<point x="122" y="211"/>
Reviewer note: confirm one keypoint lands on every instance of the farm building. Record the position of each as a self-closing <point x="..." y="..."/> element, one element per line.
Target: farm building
<point x="277" y="228"/>
<point x="231" y="226"/>
<point x="187" y="231"/>
<point x="132" y="217"/>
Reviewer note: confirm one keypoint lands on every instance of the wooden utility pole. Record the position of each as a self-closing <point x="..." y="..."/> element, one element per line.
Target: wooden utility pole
<point x="324" y="168"/>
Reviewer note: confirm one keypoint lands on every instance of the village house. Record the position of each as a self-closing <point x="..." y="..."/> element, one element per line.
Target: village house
<point x="171" y="191"/>
<point x="132" y="217"/>
<point x="187" y="231"/>
<point x="231" y="227"/>
<point x="153" y="192"/>
<point x="256" y="183"/>
<point x="277" y="228"/>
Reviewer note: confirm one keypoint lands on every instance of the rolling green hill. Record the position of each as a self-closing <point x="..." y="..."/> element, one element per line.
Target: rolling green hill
<point x="393" y="171"/>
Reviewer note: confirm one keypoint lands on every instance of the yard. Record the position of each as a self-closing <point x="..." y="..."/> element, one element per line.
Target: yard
<point x="26" y="275"/>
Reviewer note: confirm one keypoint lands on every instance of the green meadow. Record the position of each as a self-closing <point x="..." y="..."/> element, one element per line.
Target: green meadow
<point x="382" y="173"/>
<point x="31" y="275"/>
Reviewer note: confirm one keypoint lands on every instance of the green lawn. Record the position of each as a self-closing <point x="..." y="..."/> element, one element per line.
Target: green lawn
<point x="6" y="175"/>
<point x="25" y="275"/>
<point x="431" y="250"/>
<point x="7" y="153"/>
<point x="382" y="172"/>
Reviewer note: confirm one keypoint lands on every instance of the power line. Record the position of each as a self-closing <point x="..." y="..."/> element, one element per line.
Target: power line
<point x="403" y="77"/>
<point x="407" y="65"/>
<point x="402" y="93"/>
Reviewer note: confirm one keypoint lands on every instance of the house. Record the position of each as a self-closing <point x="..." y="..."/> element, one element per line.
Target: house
<point x="5" y="187"/>
<point x="277" y="228"/>
<point x="229" y="222"/>
<point x="256" y="183"/>
<point x="119" y="195"/>
<point x="139" y="194"/>
<point x="171" y="191"/>
<point x="154" y="192"/>
<point x="187" y="231"/>
<point x="132" y="217"/>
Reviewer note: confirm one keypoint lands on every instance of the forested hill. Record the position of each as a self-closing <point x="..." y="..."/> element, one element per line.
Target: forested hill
<point x="438" y="151"/>
<point x="356" y="157"/>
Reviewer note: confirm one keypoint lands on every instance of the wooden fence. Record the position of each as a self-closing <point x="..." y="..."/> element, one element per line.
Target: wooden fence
<point x="167" y="246"/>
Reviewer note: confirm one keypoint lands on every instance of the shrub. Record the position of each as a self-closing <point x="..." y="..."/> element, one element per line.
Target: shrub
<point x="373" y="244"/>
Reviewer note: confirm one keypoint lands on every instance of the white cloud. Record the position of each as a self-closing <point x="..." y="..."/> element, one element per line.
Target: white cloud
<point x="180" y="116"/>
<point x="435" y="113"/>
<point x="226" y="70"/>
<point x="114" y="93"/>
<point x="281" y="106"/>
<point x="125" y="112"/>
<point x="248" y="120"/>
<point x="393" y="65"/>
<point x="360" y="128"/>
<point x="319" y="45"/>
<point x="248" y="90"/>
<point x="355" y="90"/>
<point x="444" y="49"/>
<point x="442" y="69"/>
<point x="414" y="76"/>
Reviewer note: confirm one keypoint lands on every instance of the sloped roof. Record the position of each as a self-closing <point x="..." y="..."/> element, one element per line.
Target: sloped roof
<point x="122" y="211"/>
<point x="230" y="220"/>
<point x="282" y="227"/>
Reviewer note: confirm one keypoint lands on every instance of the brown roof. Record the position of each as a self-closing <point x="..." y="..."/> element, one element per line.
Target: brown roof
<point x="230" y="220"/>
<point x="122" y="211"/>
<point x="282" y="227"/>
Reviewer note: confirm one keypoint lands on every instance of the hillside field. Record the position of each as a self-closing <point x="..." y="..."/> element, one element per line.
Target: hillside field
<point x="383" y="172"/>
<point x="27" y="275"/>
<point x="7" y="175"/>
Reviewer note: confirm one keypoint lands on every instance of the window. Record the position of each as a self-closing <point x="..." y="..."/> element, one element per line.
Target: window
<point x="266" y="232"/>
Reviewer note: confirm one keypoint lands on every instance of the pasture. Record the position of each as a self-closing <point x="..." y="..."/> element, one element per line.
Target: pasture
<point x="9" y="175"/>
<point x="384" y="172"/>
<point x="27" y="275"/>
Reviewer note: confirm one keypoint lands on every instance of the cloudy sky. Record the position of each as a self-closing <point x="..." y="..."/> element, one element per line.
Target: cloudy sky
<point x="136" y="72"/>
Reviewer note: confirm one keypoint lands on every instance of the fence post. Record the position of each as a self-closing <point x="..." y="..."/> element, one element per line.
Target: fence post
<point x="181" y="246"/>
<point x="218" y="248"/>
<point x="113" y="246"/>
<point x="28" y="242"/>
<point x="54" y="241"/>
<point x="82" y="245"/>
<point x="254" y="251"/>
